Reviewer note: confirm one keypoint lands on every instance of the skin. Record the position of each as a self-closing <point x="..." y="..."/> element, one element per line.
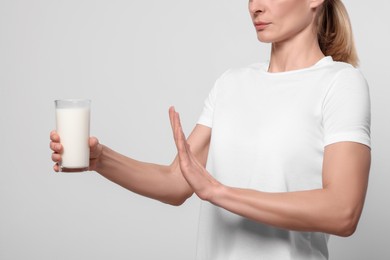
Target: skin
<point x="333" y="209"/>
<point x="291" y="27"/>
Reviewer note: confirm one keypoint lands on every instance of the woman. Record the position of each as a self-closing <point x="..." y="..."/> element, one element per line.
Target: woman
<point x="287" y="143"/>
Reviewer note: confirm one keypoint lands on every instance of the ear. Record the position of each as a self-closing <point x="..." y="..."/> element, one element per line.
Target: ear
<point x="316" y="3"/>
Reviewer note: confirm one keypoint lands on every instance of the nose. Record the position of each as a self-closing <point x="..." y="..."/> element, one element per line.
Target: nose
<point x="255" y="7"/>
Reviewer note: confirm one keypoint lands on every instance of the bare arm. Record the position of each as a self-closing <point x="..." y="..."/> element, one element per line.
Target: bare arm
<point x="164" y="183"/>
<point x="335" y="209"/>
<point x="161" y="182"/>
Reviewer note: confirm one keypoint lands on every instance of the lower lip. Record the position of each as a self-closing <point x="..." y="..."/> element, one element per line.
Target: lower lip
<point x="260" y="27"/>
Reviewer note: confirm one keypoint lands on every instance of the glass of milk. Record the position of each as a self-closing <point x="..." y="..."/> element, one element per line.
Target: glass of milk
<point x="73" y="121"/>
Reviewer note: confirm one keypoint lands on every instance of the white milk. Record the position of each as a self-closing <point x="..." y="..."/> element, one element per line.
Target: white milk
<point x="73" y="129"/>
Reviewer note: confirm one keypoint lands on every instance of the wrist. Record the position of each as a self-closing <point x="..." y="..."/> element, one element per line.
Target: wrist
<point x="217" y="193"/>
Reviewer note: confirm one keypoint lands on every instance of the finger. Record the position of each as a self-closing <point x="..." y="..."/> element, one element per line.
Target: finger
<point x="171" y="116"/>
<point x="95" y="147"/>
<point x="55" y="157"/>
<point x="173" y="121"/>
<point x="93" y="142"/>
<point x="181" y="140"/>
<point x="56" y="167"/>
<point x="54" y="136"/>
<point x="176" y="125"/>
<point x="56" y="147"/>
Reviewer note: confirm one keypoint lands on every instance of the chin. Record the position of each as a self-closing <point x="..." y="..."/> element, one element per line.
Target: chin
<point x="264" y="39"/>
<point x="266" y="36"/>
<point x="271" y="38"/>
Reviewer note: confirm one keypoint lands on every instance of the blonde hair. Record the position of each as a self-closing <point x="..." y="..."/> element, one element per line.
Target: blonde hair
<point x="334" y="32"/>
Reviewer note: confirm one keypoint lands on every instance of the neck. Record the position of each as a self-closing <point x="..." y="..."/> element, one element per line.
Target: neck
<point x="298" y="52"/>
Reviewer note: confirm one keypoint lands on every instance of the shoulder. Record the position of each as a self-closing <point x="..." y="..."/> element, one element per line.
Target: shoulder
<point x="341" y="71"/>
<point x="348" y="86"/>
<point x="340" y="76"/>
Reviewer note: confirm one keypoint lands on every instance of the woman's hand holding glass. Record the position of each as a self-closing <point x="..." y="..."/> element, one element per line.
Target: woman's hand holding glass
<point x="95" y="151"/>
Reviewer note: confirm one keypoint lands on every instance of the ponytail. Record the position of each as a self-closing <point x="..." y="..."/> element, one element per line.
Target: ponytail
<point x="335" y="32"/>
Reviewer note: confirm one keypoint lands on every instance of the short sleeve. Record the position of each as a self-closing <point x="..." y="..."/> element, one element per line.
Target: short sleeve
<point x="347" y="109"/>
<point x="206" y="117"/>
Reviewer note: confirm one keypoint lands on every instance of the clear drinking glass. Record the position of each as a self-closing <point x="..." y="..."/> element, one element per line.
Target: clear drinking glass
<point x="73" y="125"/>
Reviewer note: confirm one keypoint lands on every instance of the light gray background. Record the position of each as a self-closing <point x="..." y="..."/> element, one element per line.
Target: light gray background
<point x="134" y="59"/>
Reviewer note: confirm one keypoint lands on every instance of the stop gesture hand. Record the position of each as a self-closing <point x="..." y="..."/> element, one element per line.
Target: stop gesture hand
<point x="202" y="183"/>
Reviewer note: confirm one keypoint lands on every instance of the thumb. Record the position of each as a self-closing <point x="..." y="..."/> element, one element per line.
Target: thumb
<point x="95" y="147"/>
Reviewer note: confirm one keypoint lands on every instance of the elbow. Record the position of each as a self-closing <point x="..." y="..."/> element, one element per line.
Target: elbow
<point x="346" y="230"/>
<point x="177" y="200"/>
<point x="347" y="224"/>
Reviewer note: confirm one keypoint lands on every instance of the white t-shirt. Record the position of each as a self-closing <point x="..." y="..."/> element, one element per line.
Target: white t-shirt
<point x="269" y="131"/>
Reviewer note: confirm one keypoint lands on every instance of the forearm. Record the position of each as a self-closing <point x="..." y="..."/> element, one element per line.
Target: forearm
<point x="160" y="182"/>
<point x="318" y="210"/>
<point x="334" y="209"/>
